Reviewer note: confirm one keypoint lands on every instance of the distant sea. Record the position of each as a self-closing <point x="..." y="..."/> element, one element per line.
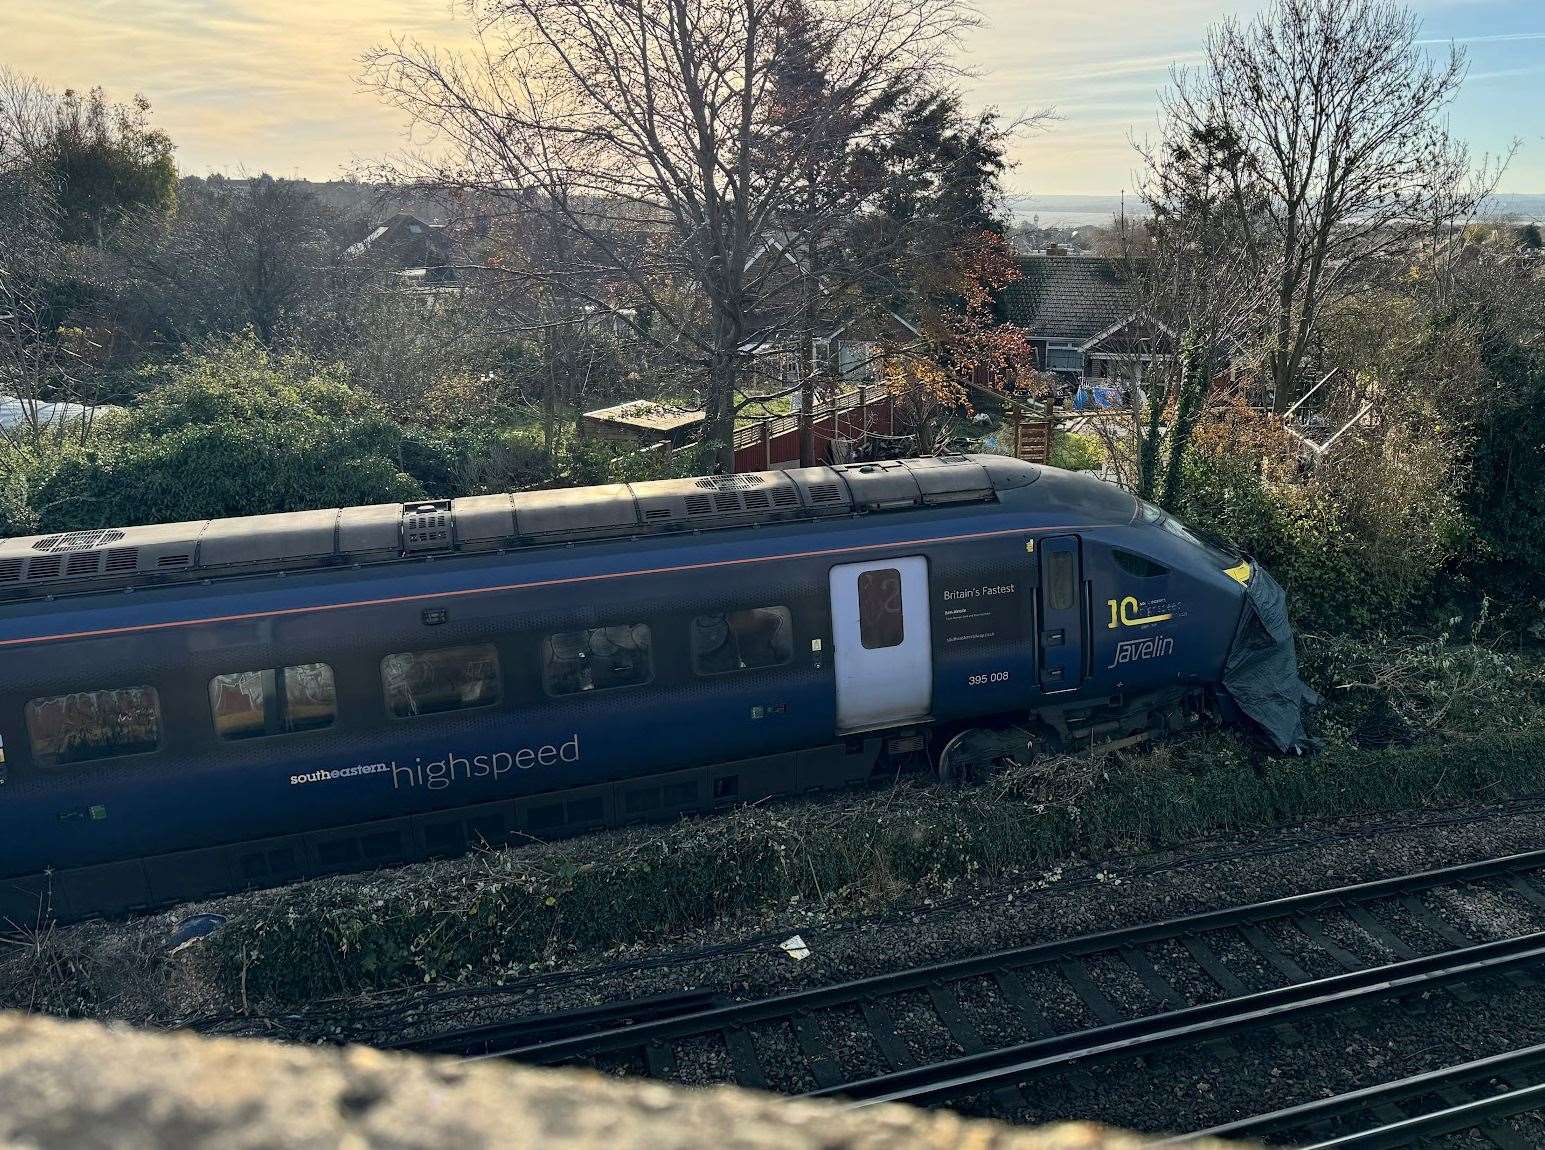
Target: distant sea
<point x="1081" y="211"/>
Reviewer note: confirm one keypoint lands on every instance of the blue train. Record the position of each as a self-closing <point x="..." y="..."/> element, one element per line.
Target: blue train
<point x="199" y="707"/>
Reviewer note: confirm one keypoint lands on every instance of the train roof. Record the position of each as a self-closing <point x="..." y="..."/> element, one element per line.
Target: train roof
<point x="252" y="544"/>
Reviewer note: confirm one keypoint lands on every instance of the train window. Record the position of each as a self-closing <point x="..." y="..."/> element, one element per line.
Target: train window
<point x="880" y="622"/>
<point x="450" y="679"/>
<point x="1219" y="551"/>
<point x="1138" y="565"/>
<point x="742" y="640"/>
<point x="94" y="725"/>
<point x="1060" y="587"/>
<point x="596" y="659"/>
<point x="247" y="704"/>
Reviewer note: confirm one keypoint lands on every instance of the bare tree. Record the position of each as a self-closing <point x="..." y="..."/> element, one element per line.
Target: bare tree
<point x="1326" y="119"/>
<point x="645" y="129"/>
<point x="1197" y="297"/>
<point x="41" y="367"/>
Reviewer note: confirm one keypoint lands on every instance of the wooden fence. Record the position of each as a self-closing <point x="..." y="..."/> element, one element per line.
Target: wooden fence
<point x="849" y="415"/>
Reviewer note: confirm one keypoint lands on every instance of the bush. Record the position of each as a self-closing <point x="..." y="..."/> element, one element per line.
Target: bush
<point x="232" y="429"/>
<point x="1075" y="452"/>
<point x="1360" y="545"/>
<point x="1506" y="494"/>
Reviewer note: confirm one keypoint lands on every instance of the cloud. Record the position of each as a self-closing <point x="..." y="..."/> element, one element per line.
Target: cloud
<point x="273" y="84"/>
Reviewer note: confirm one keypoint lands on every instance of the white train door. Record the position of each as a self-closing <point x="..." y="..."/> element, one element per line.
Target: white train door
<point x="883" y="648"/>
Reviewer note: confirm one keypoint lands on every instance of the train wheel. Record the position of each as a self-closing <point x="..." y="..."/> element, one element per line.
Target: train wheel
<point x="975" y="753"/>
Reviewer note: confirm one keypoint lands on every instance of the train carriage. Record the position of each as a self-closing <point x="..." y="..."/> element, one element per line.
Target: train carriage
<point x="193" y="708"/>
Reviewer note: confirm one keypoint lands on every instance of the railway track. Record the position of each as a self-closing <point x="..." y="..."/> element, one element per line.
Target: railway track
<point x="1482" y="1096"/>
<point x="986" y="1026"/>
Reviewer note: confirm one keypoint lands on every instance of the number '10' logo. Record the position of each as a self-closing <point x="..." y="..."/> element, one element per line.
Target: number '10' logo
<point x="1124" y="613"/>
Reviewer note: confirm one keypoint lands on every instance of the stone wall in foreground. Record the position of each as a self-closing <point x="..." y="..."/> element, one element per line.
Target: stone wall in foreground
<point x="84" y="1086"/>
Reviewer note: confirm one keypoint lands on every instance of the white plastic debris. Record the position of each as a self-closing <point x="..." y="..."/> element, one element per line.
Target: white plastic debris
<point x="795" y="948"/>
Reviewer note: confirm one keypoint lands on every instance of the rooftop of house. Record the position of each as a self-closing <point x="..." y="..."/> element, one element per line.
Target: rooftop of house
<point x="403" y="229"/>
<point x="1068" y="297"/>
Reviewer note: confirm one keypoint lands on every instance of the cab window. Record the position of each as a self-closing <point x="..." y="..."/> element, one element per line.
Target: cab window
<point x="1137" y="565"/>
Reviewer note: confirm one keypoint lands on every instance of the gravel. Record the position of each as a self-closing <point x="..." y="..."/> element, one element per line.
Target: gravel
<point x="1256" y="1073"/>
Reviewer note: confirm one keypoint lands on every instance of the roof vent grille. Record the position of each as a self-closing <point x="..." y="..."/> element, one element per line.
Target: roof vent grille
<point x="123" y="559"/>
<point x="77" y="540"/>
<point x="730" y="482"/>
<point x="83" y="563"/>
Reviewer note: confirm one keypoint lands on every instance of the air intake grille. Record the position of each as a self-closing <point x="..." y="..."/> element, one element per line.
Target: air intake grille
<point x="10" y="570"/>
<point x="699" y="505"/>
<point x="46" y="567"/>
<point x="83" y="563"/>
<point x="426" y="526"/>
<point x="123" y="559"/>
<point x="77" y="540"/>
<point x="824" y="493"/>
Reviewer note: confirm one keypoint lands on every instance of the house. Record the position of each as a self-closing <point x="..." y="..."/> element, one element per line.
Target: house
<point x="416" y="250"/>
<point x="1084" y="318"/>
<point x="850" y="337"/>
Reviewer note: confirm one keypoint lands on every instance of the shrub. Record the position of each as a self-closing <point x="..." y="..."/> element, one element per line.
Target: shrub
<point x="231" y="429"/>
<point x="1359" y="545"/>
<point x="1073" y="451"/>
<point x="1506" y="495"/>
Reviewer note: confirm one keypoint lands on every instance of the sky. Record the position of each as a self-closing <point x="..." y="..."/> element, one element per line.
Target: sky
<point x="272" y="85"/>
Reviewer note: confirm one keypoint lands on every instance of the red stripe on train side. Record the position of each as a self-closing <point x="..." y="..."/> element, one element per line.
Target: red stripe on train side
<point x="539" y="583"/>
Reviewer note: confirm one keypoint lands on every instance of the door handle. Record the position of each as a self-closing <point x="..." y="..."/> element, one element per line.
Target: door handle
<point x="1053" y="638"/>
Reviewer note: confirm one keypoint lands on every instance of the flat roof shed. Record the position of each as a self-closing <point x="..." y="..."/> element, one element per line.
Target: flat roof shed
<point x="642" y="422"/>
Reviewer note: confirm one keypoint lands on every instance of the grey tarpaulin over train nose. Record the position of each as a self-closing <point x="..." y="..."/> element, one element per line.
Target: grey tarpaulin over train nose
<point x="1261" y="674"/>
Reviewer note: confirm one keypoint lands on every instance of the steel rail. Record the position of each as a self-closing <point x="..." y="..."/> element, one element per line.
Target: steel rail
<point x="1009" y="1066"/>
<point x="1453" y="1120"/>
<point x="1529" y="1060"/>
<point x="738" y="1015"/>
<point x="473" y="1041"/>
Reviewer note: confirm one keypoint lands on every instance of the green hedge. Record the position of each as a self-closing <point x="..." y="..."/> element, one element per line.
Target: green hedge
<point x="513" y="911"/>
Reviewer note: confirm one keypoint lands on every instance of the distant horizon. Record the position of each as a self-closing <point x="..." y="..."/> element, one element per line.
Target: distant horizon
<point x="1067" y="209"/>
